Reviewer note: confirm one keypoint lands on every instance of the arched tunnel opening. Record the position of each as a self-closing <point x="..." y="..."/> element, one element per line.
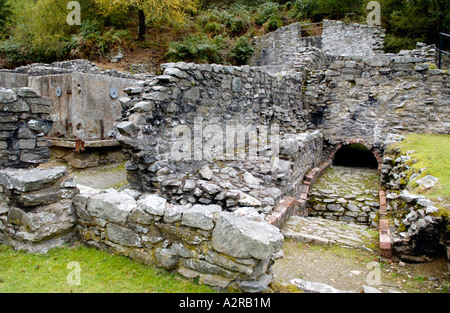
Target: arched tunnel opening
<point x="355" y="155"/>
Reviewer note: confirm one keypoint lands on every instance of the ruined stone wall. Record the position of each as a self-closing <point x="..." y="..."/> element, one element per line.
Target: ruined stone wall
<point x="195" y="97"/>
<point x="36" y="212"/>
<point x="222" y="249"/>
<point x="24" y="121"/>
<point x="181" y="134"/>
<point x="84" y="102"/>
<point x="351" y="39"/>
<point x="303" y="152"/>
<point x="371" y="97"/>
<point x="287" y="50"/>
<point x="420" y="229"/>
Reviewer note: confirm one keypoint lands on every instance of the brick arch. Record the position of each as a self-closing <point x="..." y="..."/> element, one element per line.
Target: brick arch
<point x="375" y="151"/>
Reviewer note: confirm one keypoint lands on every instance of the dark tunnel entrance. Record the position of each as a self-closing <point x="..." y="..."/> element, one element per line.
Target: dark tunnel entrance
<point x="356" y="155"/>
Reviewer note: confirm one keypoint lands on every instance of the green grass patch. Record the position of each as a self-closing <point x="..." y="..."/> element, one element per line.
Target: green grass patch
<point x="432" y="153"/>
<point x="100" y="272"/>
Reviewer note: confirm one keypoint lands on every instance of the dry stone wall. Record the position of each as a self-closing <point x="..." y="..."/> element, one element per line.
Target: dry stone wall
<point x="420" y="231"/>
<point x="287" y="50"/>
<point x="351" y="39"/>
<point x="36" y="212"/>
<point x="182" y="112"/>
<point x="372" y="97"/>
<point x="202" y="103"/>
<point x="291" y="49"/>
<point x="222" y="249"/>
<point x="24" y="121"/>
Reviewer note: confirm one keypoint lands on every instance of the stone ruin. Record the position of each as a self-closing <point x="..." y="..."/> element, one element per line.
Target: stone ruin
<point x="218" y="157"/>
<point x="85" y="107"/>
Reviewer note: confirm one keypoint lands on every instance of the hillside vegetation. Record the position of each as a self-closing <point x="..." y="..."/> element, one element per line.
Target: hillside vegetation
<point x="152" y="32"/>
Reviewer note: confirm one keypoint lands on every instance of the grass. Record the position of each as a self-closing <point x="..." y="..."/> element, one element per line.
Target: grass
<point x="101" y="272"/>
<point x="432" y="153"/>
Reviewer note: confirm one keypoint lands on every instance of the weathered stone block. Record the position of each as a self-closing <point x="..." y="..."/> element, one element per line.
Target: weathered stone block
<point x="7" y="96"/>
<point x="201" y="216"/>
<point x="166" y="258"/>
<point x="44" y="223"/>
<point x="242" y="238"/>
<point x="152" y="204"/>
<point x="122" y="236"/>
<point x="127" y="129"/>
<point x="111" y="206"/>
<point x="24" y="180"/>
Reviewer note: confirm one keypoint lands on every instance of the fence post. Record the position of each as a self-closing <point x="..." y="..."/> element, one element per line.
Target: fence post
<point x="440" y="50"/>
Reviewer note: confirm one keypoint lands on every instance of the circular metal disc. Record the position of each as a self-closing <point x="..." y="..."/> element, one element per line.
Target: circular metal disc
<point x="58" y="91"/>
<point x="113" y="93"/>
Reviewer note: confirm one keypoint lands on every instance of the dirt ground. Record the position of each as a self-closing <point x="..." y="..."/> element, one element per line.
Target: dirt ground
<point x="348" y="269"/>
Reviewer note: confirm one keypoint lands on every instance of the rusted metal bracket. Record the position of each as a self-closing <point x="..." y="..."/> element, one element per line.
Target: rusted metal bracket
<point x="102" y="130"/>
<point x="79" y="145"/>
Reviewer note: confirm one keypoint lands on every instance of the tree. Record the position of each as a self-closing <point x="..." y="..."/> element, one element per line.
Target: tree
<point x="407" y="22"/>
<point x="40" y="23"/>
<point x="4" y="15"/>
<point x="152" y="10"/>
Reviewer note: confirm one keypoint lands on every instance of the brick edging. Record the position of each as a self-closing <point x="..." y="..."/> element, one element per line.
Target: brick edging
<point x="290" y="205"/>
<point x="383" y="225"/>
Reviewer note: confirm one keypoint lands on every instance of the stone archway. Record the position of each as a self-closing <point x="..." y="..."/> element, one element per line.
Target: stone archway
<point x="364" y="154"/>
<point x="349" y="191"/>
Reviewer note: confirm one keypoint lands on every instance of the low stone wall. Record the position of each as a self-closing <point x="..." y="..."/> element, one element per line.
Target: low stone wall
<point x="258" y="185"/>
<point x="418" y="230"/>
<point x="36" y="211"/>
<point x="223" y="249"/>
<point x="304" y="152"/>
<point x="24" y="121"/>
<point x="41" y="209"/>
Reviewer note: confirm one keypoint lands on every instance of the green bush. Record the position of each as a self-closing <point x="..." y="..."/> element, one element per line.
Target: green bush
<point x="238" y="25"/>
<point x="394" y="44"/>
<point x="95" y="42"/>
<point x="235" y="21"/>
<point x="317" y="10"/>
<point x="273" y="23"/>
<point x="241" y="51"/>
<point x="213" y="28"/>
<point x="5" y="13"/>
<point x="265" y="12"/>
<point x="197" y="48"/>
<point x="15" y="54"/>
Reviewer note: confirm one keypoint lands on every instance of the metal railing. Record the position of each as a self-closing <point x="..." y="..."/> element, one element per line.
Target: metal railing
<point x="440" y="49"/>
<point x="307" y="28"/>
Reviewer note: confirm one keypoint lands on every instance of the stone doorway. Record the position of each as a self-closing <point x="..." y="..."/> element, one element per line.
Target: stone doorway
<point x="355" y="155"/>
